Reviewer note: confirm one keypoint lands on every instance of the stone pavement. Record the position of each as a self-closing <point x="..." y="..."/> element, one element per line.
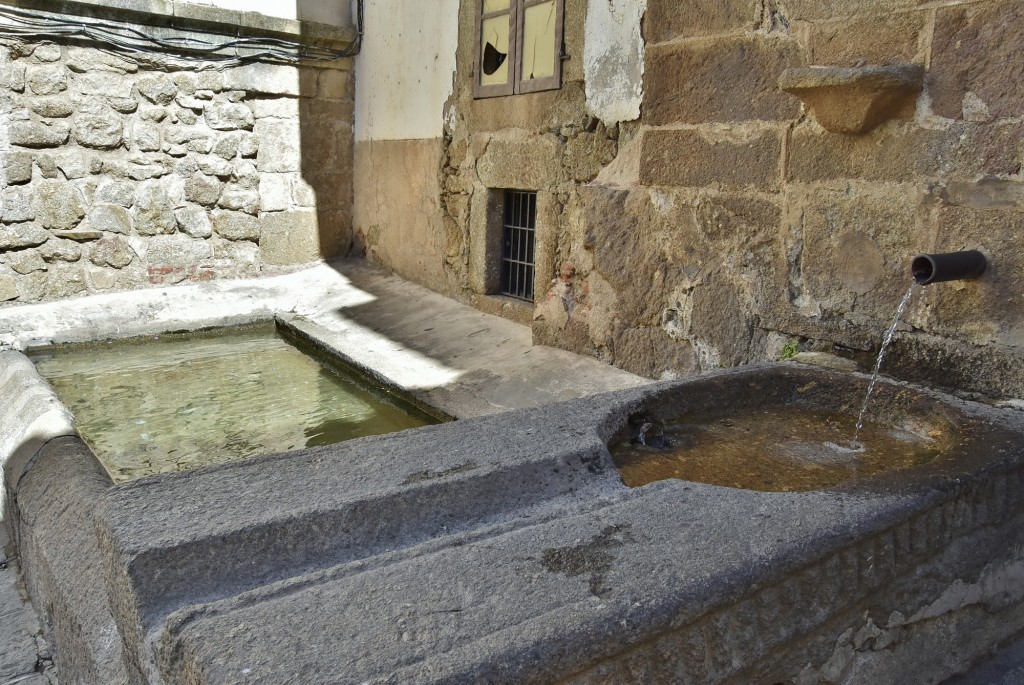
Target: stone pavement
<point x="24" y="654"/>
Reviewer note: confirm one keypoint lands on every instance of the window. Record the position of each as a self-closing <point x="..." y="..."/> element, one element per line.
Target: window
<point x="519" y="46"/>
<point x="517" y="244"/>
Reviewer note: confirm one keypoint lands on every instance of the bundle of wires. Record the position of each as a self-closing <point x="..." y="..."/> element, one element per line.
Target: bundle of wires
<point x="187" y="50"/>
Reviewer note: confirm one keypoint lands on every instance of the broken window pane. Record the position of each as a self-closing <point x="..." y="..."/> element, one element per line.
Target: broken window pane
<point x="494" y="51"/>
<point x="539" y="41"/>
<point x="495" y="5"/>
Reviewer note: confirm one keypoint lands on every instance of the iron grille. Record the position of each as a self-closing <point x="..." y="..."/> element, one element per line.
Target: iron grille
<point x="517" y="241"/>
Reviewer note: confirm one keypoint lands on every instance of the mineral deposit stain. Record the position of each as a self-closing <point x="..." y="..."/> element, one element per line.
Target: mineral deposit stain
<point x="594" y="558"/>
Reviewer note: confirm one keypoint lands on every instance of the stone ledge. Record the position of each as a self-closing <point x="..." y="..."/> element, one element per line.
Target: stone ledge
<point x="186" y="16"/>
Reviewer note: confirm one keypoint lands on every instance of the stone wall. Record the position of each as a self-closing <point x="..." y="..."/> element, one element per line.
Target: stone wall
<point x="121" y="171"/>
<point x="727" y="223"/>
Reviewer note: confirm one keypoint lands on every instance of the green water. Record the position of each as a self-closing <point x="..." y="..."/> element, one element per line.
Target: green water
<point x="170" y="403"/>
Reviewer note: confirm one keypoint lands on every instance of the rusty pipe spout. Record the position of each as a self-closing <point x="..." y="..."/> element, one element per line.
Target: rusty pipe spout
<point x="948" y="266"/>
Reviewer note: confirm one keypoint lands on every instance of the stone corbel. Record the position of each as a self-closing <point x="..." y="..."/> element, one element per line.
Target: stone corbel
<point x="853" y="100"/>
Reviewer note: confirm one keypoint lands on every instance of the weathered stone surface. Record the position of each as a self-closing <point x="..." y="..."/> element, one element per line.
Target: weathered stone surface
<point x="236" y="225"/>
<point x="136" y="169"/>
<point x="226" y="146"/>
<point x="85" y="60"/>
<point x="187" y="82"/>
<point x="518" y="160"/>
<point x="53" y="107"/>
<point x="146" y="137"/>
<point x="890" y="153"/>
<point x="117" y="193"/>
<point x="248" y="145"/>
<point x="190" y="102"/>
<point x="667" y="20"/>
<point x="47" y="52"/>
<point x="26" y="262"/>
<point x="238" y="197"/>
<point x="61" y="250"/>
<point x="698" y="158"/>
<point x="177" y="250"/>
<point x="289" y="238"/>
<point x="229" y="116"/>
<point x="8" y="292"/>
<point x="103" y="130"/>
<point x="987" y="193"/>
<point x="275" y="192"/>
<point x="155" y="114"/>
<point x="64" y="280"/>
<point x="809" y="10"/>
<point x="159" y="89"/>
<point x="333" y="84"/>
<point x="47" y="166"/>
<point x="887" y="39"/>
<point x="58" y="205"/>
<point x="105" y="85"/>
<point x="38" y="135"/>
<point x="123" y="105"/>
<point x="154" y="213"/>
<point x="215" y="166"/>
<point x="110" y="218"/>
<point x="81" y="235"/>
<point x="77" y="164"/>
<point x="12" y="77"/>
<point x="113" y="252"/>
<point x="972" y="46"/>
<point x="264" y="79"/>
<point x="730" y="79"/>
<point x="203" y="190"/>
<point x="586" y="154"/>
<point x="22" y="235"/>
<point x="48" y="79"/>
<point x="17" y="167"/>
<point x="16" y="205"/>
<point x="194" y="221"/>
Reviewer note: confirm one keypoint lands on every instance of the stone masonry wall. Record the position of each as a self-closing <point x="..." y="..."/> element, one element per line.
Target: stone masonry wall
<point x="118" y="172"/>
<point x="731" y="224"/>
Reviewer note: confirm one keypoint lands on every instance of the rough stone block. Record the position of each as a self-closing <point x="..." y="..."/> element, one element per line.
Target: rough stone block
<point x="976" y="50"/>
<point x="229" y="116"/>
<point x="729" y="79"/>
<point x="146" y="137"/>
<point x="177" y="250"/>
<point x="856" y="247"/>
<point x="76" y="164"/>
<point x="194" y="221"/>
<point x="289" y="238"/>
<point x="114" y="192"/>
<point x="48" y="79"/>
<point x="275" y="192"/>
<point x="90" y="60"/>
<point x="888" y="39"/>
<point x="16" y="205"/>
<point x="154" y="211"/>
<point x="521" y="160"/>
<point x="53" y="107"/>
<point x="8" y="292"/>
<point x="17" y="167"/>
<point x="333" y="84"/>
<point x="159" y="89"/>
<point x="889" y="153"/>
<point x="238" y="197"/>
<point x="58" y="205"/>
<point x="102" y="130"/>
<point x="27" y="261"/>
<point x="699" y="158"/>
<point x="280" y="148"/>
<point x="61" y="250"/>
<point x="19" y="236"/>
<point x="265" y="79"/>
<point x="110" y="218"/>
<point x="12" y="77"/>
<point x="667" y="20"/>
<point x="113" y="252"/>
<point x="39" y="135"/>
<point x="236" y="225"/>
<point x="203" y="190"/>
<point x="64" y="280"/>
<point x="812" y="10"/>
<point x="104" y="84"/>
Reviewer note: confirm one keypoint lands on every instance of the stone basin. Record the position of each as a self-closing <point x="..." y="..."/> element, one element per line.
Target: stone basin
<point x="507" y="549"/>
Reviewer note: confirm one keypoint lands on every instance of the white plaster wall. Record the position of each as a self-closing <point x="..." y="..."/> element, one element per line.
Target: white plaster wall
<point x="613" y="59"/>
<point x="406" y="69"/>
<point x="336" y="12"/>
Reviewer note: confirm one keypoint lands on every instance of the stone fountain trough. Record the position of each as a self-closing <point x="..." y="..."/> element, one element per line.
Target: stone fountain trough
<point x="507" y="549"/>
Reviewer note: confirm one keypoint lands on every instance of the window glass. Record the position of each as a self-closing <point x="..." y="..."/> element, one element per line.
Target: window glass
<point x="539" y="41"/>
<point x="494" y="63"/>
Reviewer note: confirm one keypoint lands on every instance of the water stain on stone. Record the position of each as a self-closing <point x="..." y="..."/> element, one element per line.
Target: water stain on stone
<point x="423" y="476"/>
<point x="594" y="557"/>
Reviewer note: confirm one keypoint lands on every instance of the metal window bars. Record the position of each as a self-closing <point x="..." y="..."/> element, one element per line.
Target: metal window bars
<point x="517" y="244"/>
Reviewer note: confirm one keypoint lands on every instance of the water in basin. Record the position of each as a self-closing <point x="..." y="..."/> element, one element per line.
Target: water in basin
<point x="774" y="450"/>
<point x="170" y="403"/>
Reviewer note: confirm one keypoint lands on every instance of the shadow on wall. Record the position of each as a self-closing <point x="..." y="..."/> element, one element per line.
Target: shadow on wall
<point x="335" y="12"/>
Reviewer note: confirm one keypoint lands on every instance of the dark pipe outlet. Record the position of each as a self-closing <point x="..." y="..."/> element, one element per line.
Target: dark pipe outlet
<point x="948" y="266"/>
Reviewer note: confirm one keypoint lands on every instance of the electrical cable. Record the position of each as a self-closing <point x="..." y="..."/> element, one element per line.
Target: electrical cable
<point x="33" y="26"/>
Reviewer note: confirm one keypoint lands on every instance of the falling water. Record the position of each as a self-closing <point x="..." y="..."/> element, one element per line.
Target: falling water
<point x="878" y="364"/>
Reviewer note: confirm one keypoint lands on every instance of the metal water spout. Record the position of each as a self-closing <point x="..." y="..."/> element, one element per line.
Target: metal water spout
<point x="948" y="266"/>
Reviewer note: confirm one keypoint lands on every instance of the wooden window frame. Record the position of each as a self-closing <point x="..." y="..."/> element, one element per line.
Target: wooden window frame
<point x="517" y="20"/>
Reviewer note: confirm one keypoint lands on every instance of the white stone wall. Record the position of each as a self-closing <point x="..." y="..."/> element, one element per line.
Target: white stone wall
<point x="114" y="176"/>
